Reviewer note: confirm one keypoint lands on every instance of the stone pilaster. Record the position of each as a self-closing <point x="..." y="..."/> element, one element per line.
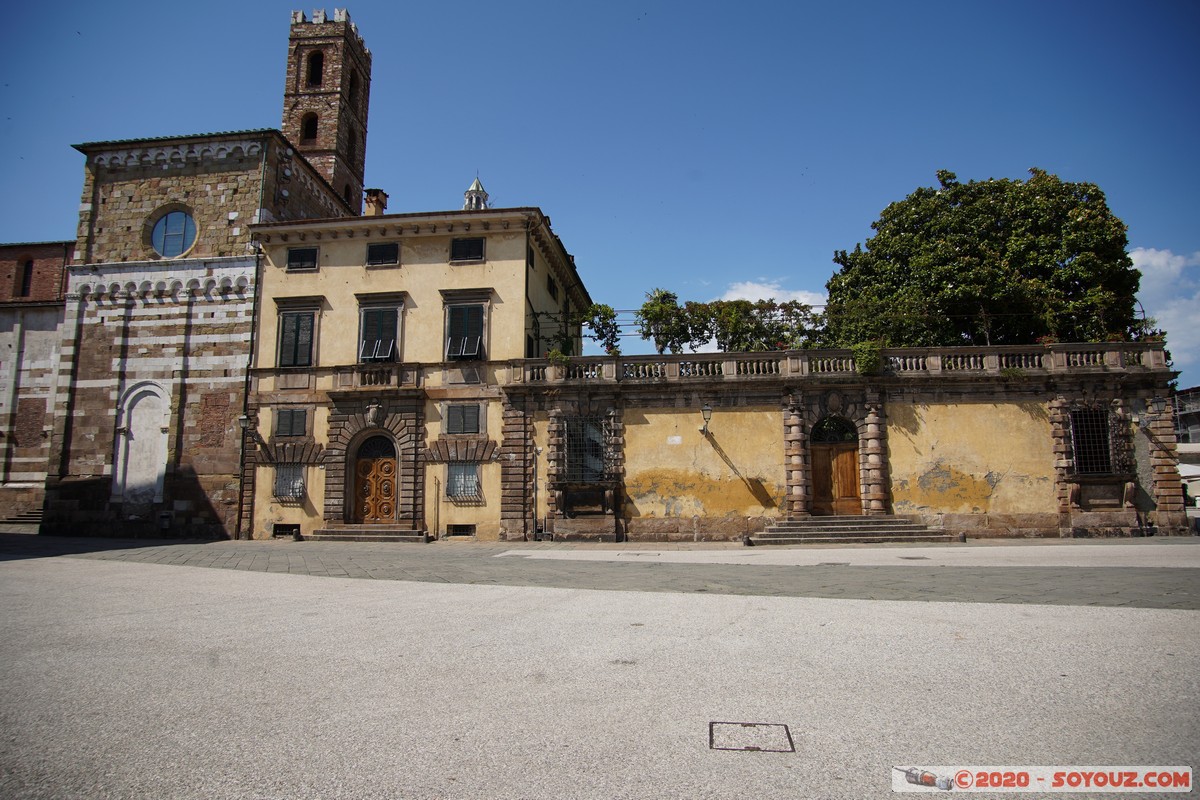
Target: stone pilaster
<point x="1167" y="487"/>
<point x="795" y="460"/>
<point x="517" y="471"/>
<point x="556" y="459"/>
<point x="873" y="455"/>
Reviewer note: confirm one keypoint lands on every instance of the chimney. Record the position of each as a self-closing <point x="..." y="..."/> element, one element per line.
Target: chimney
<point x="376" y="203"/>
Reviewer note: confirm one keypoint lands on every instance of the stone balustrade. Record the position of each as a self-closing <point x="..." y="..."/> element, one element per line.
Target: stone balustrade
<point x="1008" y="362"/>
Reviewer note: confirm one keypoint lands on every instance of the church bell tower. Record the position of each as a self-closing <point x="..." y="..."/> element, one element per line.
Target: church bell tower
<point x="326" y="97"/>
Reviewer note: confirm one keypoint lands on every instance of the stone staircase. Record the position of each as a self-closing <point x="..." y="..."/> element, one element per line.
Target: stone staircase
<point x="31" y="516"/>
<point x="848" y="530"/>
<point x="367" y="533"/>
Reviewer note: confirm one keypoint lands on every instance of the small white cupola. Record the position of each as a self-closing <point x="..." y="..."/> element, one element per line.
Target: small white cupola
<point x="475" y="198"/>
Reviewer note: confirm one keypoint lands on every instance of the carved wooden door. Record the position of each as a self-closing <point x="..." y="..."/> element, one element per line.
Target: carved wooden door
<point x="835" y="479"/>
<point x="375" y="482"/>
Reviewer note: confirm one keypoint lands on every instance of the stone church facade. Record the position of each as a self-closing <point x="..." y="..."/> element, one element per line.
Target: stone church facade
<point x="158" y="302"/>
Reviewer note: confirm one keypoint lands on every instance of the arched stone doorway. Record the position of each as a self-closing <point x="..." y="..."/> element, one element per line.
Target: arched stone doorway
<point x="375" y="477"/>
<point x="835" y="473"/>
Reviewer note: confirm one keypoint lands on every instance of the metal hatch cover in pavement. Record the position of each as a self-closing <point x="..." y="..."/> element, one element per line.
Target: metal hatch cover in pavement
<point x="757" y="737"/>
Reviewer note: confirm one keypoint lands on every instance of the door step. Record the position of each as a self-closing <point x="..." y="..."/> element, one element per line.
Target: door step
<point x="848" y="530"/>
<point x="366" y="533"/>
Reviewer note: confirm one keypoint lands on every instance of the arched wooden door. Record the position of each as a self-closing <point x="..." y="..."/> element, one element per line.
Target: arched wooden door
<point x="375" y="481"/>
<point x="834" y="449"/>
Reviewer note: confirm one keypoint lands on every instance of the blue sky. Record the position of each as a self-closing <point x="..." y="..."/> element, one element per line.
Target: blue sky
<point x="714" y="149"/>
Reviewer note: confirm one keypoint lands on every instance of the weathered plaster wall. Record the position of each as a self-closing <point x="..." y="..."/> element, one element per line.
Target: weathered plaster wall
<point x="971" y="458"/>
<point x="270" y="511"/>
<point x="424" y="270"/>
<point x="675" y="473"/>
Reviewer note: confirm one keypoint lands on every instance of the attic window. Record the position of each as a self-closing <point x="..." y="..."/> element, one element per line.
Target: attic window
<point x="467" y="249"/>
<point x="300" y="258"/>
<point x="383" y="254"/>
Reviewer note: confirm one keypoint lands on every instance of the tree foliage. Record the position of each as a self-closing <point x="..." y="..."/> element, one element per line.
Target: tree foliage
<point x="734" y="325"/>
<point x="988" y="262"/>
<point x="662" y="320"/>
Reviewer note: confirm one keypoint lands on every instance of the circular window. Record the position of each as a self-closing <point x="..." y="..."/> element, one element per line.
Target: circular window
<point x="173" y="234"/>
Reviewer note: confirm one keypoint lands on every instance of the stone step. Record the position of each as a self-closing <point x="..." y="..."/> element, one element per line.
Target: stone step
<point x="847" y="529"/>
<point x="31" y="517"/>
<point x="933" y="538"/>
<point x="373" y="533"/>
<point x="909" y="527"/>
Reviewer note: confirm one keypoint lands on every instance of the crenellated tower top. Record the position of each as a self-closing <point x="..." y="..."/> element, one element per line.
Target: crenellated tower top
<point x="326" y="97"/>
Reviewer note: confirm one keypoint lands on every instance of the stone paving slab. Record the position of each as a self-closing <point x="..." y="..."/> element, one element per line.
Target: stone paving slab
<point x="1152" y="573"/>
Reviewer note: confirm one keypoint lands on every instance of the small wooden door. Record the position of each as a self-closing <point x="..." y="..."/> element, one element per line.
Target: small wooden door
<point x="375" y="482"/>
<point x="835" y="479"/>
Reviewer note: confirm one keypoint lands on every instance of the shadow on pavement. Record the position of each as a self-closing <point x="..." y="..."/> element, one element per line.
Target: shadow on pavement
<point x="17" y="546"/>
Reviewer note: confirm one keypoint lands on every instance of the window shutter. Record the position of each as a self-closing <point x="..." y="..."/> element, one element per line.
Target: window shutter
<point x="304" y="335"/>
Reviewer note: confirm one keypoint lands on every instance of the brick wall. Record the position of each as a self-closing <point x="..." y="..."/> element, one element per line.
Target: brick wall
<point x="46" y="280"/>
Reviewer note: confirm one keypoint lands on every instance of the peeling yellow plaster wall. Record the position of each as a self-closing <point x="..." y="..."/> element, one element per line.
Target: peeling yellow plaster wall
<point x="673" y="470"/>
<point x="971" y="458"/>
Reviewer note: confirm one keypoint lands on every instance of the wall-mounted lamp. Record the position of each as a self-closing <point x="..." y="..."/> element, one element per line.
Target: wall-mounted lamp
<point x="244" y="423"/>
<point x="706" y="412"/>
<point x="1156" y="405"/>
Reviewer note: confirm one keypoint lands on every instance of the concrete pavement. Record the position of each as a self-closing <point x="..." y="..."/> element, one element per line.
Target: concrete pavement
<point x="128" y="672"/>
<point x="1146" y="573"/>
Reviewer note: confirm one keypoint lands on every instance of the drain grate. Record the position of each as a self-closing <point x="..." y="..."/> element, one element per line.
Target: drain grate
<point x="833" y="563"/>
<point x="914" y="558"/>
<point x="626" y="553"/>
<point x="755" y="737"/>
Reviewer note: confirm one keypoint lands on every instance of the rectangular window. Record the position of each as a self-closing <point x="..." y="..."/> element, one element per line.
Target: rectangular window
<point x="462" y="480"/>
<point x="464" y="333"/>
<point x="1091" y="442"/>
<point x="467" y="249"/>
<point x="462" y="419"/>
<point x="585" y="449"/>
<point x="27" y="279"/>
<point x="289" y="481"/>
<point x="383" y="253"/>
<point x="296" y="338"/>
<point x="300" y="258"/>
<point x="377" y="334"/>
<point x="552" y="287"/>
<point x="291" y="421"/>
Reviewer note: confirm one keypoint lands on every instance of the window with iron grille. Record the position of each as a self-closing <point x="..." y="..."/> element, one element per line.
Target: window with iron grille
<point x="586" y="450"/>
<point x="462" y="418"/>
<point x="289" y="481"/>
<point x="377" y="338"/>
<point x="1096" y="444"/>
<point x="462" y="480"/>
<point x="467" y="249"/>
<point x="291" y="421"/>
<point x="464" y="333"/>
<point x="383" y="253"/>
<point x="300" y="258"/>
<point x="552" y="287"/>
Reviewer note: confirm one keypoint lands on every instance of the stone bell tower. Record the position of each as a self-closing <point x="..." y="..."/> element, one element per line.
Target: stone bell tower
<point x="326" y="97"/>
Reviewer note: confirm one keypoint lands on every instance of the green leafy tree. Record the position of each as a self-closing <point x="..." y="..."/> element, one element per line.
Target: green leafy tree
<point x="662" y="320"/>
<point x="988" y="262"/>
<point x="601" y="320"/>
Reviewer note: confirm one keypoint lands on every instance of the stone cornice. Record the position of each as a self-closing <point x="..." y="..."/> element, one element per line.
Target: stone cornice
<point x="178" y="153"/>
